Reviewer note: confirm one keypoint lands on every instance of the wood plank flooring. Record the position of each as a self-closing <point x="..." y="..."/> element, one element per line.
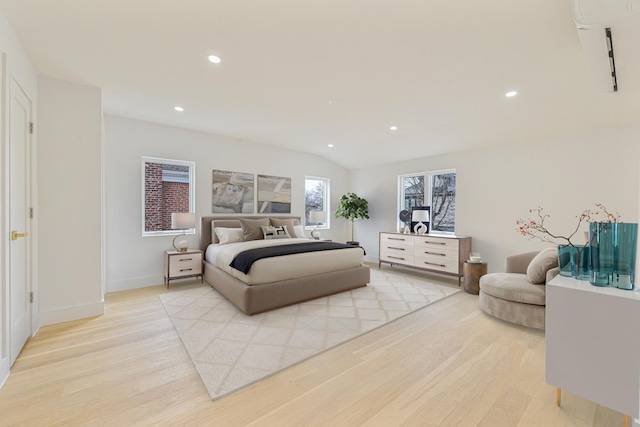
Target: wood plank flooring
<point x="446" y="365"/>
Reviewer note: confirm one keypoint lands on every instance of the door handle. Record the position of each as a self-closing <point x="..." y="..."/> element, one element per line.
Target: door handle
<point x="15" y="235"/>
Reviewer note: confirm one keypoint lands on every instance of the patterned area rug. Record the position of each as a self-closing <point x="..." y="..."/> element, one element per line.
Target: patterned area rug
<point x="231" y="350"/>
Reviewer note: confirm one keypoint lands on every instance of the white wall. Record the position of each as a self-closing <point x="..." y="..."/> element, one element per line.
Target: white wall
<point x="70" y="201"/>
<point x="133" y="261"/>
<point x="15" y="64"/>
<point x="497" y="185"/>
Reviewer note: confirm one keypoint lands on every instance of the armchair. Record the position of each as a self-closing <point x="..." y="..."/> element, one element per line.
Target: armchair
<point x="519" y="294"/>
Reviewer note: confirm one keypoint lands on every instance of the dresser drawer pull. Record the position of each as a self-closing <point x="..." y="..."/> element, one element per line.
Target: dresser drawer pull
<point x="431" y="263"/>
<point x="434" y="253"/>
<point x="396" y="257"/>
<point x="396" y="238"/>
<point x="435" y="243"/>
<point x="397" y="249"/>
<point x="186" y="259"/>
<point x="186" y="269"/>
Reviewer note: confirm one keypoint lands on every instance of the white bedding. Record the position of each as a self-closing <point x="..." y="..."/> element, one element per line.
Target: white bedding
<point x="279" y="268"/>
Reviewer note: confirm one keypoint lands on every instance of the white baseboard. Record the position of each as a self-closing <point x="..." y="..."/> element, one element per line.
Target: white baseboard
<point x="135" y="283"/>
<point x="75" y="312"/>
<point x="4" y="370"/>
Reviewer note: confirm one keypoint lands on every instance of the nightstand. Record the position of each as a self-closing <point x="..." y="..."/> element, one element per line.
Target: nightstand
<point x="180" y="265"/>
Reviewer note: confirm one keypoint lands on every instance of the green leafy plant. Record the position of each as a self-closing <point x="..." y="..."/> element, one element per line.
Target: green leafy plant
<point x="352" y="207"/>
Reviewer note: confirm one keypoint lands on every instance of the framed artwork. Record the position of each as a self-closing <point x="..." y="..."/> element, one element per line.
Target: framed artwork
<point x="232" y="192"/>
<point x="274" y="194"/>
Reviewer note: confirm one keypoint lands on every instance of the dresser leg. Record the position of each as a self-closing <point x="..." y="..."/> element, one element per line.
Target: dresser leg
<point x="558" y="396"/>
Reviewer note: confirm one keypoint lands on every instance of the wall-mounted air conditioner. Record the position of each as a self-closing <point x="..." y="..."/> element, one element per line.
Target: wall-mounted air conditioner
<point x="609" y="31"/>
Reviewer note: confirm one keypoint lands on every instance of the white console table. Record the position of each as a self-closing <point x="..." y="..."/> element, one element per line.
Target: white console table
<point x="593" y="343"/>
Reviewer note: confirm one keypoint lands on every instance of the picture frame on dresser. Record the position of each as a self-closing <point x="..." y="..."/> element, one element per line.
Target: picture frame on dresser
<point x="442" y="254"/>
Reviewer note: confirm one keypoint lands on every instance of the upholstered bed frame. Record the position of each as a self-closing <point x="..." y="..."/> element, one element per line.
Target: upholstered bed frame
<point x="253" y="299"/>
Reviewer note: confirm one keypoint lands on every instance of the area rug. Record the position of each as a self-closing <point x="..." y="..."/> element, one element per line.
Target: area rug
<point x="231" y="350"/>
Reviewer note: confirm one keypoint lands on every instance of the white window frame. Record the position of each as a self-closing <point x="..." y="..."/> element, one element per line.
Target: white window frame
<point x="192" y="198"/>
<point x="428" y="178"/>
<point x="326" y="200"/>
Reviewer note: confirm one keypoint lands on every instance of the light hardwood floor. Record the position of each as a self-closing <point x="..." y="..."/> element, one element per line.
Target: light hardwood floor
<point x="445" y="365"/>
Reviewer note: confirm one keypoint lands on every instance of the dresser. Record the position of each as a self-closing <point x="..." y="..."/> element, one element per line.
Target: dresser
<point x="437" y="253"/>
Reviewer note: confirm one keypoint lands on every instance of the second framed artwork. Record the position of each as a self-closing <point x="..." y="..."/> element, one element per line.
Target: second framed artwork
<point x="274" y="194"/>
<point x="233" y="192"/>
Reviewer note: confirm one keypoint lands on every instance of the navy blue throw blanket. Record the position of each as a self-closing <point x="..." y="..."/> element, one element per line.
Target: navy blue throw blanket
<point x="245" y="259"/>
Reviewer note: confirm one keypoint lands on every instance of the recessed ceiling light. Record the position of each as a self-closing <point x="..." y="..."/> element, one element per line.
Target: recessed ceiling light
<point x="511" y="94"/>
<point x="334" y="101"/>
<point x="330" y="145"/>
<point x="178" y="108"/>
<point x="393" y="127"/>
<point x="215" y="59"/>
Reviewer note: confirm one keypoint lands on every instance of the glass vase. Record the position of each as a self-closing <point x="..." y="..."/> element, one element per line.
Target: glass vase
<point x="601" y="244"/>
<point x="565" y="255"/>
<point x="574" y="261"/>
<point x="625" y="249"/>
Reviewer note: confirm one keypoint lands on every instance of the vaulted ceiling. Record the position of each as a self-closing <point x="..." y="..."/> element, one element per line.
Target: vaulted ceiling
<point x="306" y="74"/>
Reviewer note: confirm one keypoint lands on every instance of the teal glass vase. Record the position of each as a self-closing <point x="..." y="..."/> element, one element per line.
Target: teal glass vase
<point x="625" y="250"/>
<point x="565" y="255"/>
<point x="574" y="261"/>
<point x="601" y="244"/>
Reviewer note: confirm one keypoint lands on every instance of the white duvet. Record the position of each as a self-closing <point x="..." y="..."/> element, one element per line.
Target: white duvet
<point x="279" y="268"/>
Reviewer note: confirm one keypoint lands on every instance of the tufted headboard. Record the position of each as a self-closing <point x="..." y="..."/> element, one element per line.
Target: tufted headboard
<point x="230" y="221"/>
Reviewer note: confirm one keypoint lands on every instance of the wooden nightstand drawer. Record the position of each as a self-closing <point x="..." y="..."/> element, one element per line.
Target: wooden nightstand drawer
<point x="185" y="265"/>
<point x="179" y="265"/>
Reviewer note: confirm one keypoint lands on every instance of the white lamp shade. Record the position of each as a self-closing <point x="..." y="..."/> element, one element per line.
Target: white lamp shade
<point x="183" y="220"/>
<point x="420" y="215"/>
<point x="316" y="217"/>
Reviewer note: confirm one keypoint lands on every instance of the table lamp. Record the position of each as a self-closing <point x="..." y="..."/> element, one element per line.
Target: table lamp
<point x="182" y="221"/>
<point x="317" y="218"/>
<point x="421" y="216"/>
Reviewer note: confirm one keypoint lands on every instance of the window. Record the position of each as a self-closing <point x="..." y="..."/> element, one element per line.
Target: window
<point x="316" y="198"/>
<point x="435" y="189"/>
<point x="167" y="187"/>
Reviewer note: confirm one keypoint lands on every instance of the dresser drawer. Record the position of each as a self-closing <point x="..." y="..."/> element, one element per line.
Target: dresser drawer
<point x="436" y="242"/>
<point x="444" y="264"/>
<point x="185" y="265"/>
<point x="396" y="240"/>
<point x="397" y="254"/>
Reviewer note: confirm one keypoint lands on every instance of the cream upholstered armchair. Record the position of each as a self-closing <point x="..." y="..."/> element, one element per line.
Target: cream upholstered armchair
<point x="519" y="294"/>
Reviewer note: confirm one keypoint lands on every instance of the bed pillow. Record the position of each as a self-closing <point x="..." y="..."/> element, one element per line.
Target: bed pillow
<point x="251" y="228"/>
<point x="299" y="231"/>
<point x="289" y="223"/>
<point x="541" y="263"/>
<point x="228" y="235"/>
<point x="275" y="232"/>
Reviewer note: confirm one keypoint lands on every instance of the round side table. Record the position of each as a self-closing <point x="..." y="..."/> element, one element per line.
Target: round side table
<point x="472" y="272"/>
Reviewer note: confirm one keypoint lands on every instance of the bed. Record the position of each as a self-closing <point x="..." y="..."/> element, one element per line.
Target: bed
<point x="279" y="281"/>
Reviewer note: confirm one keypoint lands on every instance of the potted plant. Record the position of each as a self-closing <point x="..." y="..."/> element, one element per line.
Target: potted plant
<point x="352" y="207"/>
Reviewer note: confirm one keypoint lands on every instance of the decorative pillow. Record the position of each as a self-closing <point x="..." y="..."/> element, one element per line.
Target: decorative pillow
<point x="275" y="232"/>
<point x="251" y="228"/>
<point x="299" y="231"/>
<point x="541" y="263"/>
<point x="290" y="223"/>
<point x="228" y="235"/>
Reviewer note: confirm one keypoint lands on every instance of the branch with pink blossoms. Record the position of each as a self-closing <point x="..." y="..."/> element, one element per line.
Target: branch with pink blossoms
<point x="536" y="228"/>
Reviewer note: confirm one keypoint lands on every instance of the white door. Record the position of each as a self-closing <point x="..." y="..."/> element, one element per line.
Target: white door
<point x="19" y="247"/>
